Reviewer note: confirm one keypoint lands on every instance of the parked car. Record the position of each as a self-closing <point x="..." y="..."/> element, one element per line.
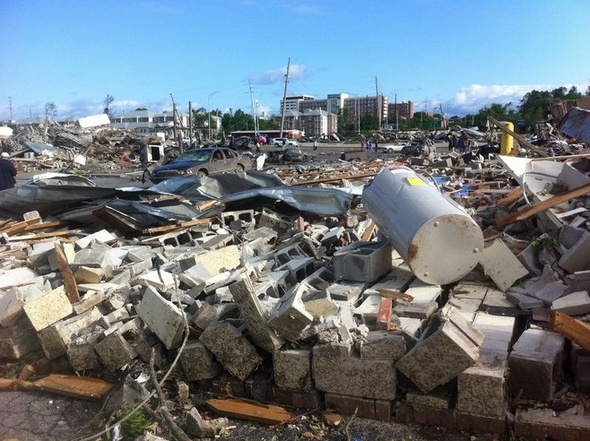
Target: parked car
<point x="413" y="150"/>
<point x="202" y="162"/>
<point x="394" y="148"/>
<point x="281" y="142"/>
<point x="284" y="154"/>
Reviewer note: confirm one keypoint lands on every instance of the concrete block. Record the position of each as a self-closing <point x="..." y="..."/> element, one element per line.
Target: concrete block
<point x="439" y="398"/>
<point x="232" y="350"/>
<point x="337" y="371"/>
<point x="345" y="291"/>
<point x="56" y="338"/>
<point x="577" y="258"/>
<point x="381" y="345"/>
<point x="447" y="348"/>
<point x="198" y="363"/>
<point x="82" y="355"/>
<point x="18" y="340"/>
<point x="163" y="317"/>
<point x="536" y="364"/>
<point x="94" y="258"/>
<point x="501" y="265"/>
<point x="13" y="301"/>
<point x="86" y="274"/>
<point x="16" y="277"/>
<point x="292" y="369"/>
<point x="523" y="301"/>
<point x="320" y="304"/>
<point x="255" y="315"/>
<point x="530" y="259"/>
<point x="223" y="259"/>
<point x="299" y="269"/>
<point x="362" y="261"/>
<point x="482" y="391"/>
<point x="102" y="237"/>
<point x="38" y="257"/>
<point x="114" y="350"/>
<point x="289" y="316"/>
<point x="550" y="292"/>
<point x="414" y="310"/>
<point x="49" y="308"/>
<point x="69" y="252"/>
<point x="581" y="368"/>
<point x="576" y="303"/>
<point x="161" y="281"/>
<point x="578" y="281"/>
<point x="275" y="221"/>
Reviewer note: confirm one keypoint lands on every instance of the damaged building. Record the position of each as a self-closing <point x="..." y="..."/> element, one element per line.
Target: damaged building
<point x="423" y="289"/>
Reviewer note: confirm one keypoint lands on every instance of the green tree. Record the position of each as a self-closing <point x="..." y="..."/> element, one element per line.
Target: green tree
<point x="534" y="106"/>
<point x="573" y="94"/>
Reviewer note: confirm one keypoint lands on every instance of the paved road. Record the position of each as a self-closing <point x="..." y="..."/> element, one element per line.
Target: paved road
<point x="39" y="416"/>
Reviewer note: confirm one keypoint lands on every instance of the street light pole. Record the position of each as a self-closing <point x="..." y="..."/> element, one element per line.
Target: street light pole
<point x="209" y="111"/>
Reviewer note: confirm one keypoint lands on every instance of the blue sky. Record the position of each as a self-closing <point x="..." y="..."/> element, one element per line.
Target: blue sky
<point x="226" y="54"/>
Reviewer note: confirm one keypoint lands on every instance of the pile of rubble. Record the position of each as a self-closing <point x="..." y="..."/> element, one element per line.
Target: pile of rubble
<point x="306" y="300"/>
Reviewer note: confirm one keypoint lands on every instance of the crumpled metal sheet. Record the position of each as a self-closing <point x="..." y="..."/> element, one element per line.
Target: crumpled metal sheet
<point x="577" y="124"/>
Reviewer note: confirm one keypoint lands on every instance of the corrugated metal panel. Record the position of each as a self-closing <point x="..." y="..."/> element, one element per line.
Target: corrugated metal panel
<point x="577" y="124"/>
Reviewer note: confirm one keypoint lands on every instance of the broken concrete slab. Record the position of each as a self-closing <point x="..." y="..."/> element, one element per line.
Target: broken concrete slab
<point x="501" y="265"/>
<point x="576" y="303"/>
<point x="163" y="317"/>
<point x="48" y="308"/>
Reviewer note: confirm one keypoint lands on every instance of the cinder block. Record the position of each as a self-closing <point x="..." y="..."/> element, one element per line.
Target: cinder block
<point x="56" y="338"/>
<point x="292" y="369"/>
<point x="198" y="363"/>
<point x="380" y="345"/>
<point x="362" y="261"/>
<point x="13" y="301"/>
<point x="255" y="315"/>
<point x="449" y="347"/>
<point x="49" y="308"/>
<point x="18" y="340"/>
<point x="289" y="316"/>
<point x="337" y="371"/>
<point x="163" y="317"/>
<point x="577" y="258"/>
<point x="235" y="353"/>
<point x="117" y="348"/>
<point x="482" y="391"/>
<point x="536" y="364"/>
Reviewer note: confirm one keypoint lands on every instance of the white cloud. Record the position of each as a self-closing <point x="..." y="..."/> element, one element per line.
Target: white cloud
<point x="296" y="71"/>
<point x="472" y="98"/>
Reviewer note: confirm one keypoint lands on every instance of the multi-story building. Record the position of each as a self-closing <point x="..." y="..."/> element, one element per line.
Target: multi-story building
<point x="355" y="107"/>
<point x="402" y="110"/>
<point x="145" y="122"/>
<point x="292" y="102"/>
<point x="318" y="122"/>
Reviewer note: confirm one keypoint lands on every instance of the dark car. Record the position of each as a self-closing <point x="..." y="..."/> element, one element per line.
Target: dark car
<point x="202" y="162"/>
<point x="412" y="150"/>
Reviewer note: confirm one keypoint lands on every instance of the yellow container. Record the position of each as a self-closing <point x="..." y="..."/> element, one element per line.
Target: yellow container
<point x="507" y="141"/>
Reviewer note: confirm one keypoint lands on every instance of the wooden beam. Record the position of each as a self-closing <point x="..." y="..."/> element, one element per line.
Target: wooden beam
<point x="571" y="328"/>
<point x="514" y="195"/>
<point x="542" y="206"/>
<point x="250" y="410"/>
<point x="67" y="275"/>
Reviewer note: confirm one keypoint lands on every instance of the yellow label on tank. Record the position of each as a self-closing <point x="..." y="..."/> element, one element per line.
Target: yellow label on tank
<point x="414" y="180"/>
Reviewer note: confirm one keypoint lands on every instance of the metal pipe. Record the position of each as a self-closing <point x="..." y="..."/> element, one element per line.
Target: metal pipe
<point x="434" y="235"/>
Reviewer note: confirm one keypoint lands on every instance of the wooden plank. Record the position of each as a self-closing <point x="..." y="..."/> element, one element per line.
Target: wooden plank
<point x="571" y="328"/>
<point x="44" y="235"/>
<point x="20" y="226"/>
<point x="542" y="206"/>
<point x="44" y="225"/>
<point x="179" y="226"/>
<point x="368" y="233"/>
<point x="68" y="385"/>
<point x="67" y="275"/>
<point x="395" y="295"/>
<point x="249" y="410"/>
<point x="514" y="195"/>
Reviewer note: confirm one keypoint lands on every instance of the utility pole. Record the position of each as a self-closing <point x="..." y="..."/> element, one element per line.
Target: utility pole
<point x="284" y="98"/>
<point x="209" y="112"/>
<point x="254" y="112"/>
<point x="190" y="123"/>
<point x="396" y="114"/>
<point x="378" y="102"/>
<point x="179" y="145"/>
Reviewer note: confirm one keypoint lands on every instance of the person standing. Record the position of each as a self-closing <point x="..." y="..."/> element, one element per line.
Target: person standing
<point x="7" y="172"/>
